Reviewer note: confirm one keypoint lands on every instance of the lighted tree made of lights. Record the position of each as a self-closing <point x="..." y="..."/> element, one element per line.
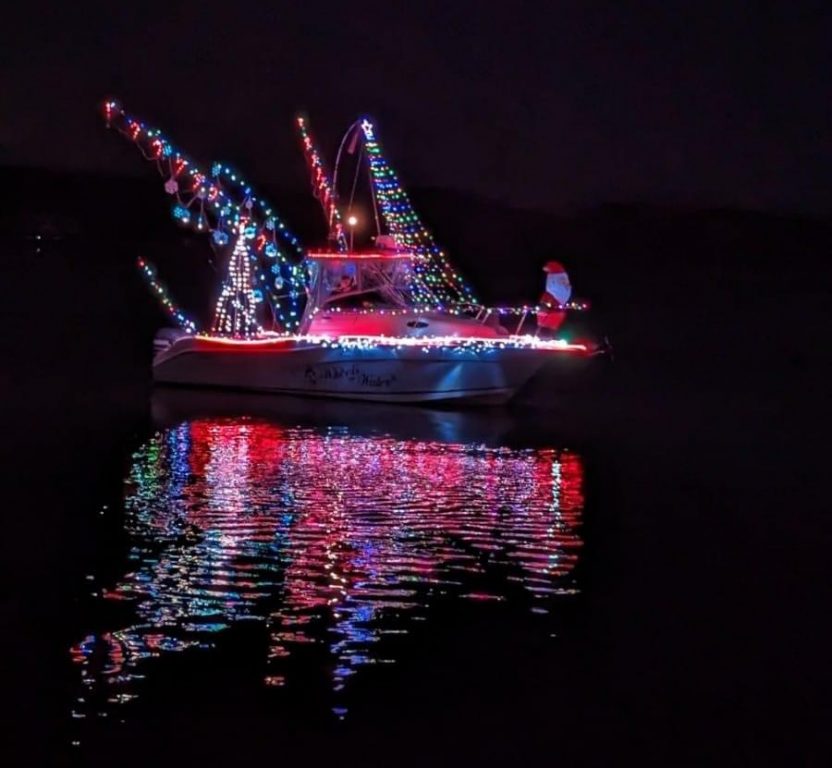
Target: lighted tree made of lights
<point x="235" y="313"/>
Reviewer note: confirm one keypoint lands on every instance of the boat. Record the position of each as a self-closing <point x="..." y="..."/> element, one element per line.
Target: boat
<point x="363" y="345"/>
<point x="392" y="322"/>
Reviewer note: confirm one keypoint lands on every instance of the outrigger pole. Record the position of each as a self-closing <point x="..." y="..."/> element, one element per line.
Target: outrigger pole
<point x="221" y="203"/>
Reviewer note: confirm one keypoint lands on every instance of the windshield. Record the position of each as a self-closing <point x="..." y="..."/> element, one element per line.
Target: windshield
<point x="358" y="300"/>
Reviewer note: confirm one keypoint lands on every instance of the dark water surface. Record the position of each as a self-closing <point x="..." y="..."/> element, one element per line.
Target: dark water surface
<point x="636" y="572"/>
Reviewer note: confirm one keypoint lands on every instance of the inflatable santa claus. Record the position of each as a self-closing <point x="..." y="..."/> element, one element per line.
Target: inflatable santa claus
<point x="558" y="290"/>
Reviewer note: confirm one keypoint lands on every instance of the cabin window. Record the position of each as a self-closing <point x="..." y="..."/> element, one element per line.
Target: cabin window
<point x="359" y="300"/>
<point x="351" y="285"/>
<point x="339" y="279"/>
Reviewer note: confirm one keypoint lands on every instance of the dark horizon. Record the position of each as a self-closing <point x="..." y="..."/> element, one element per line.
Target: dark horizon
<point x="142" y="178"/>
<point x="563" y="107"/>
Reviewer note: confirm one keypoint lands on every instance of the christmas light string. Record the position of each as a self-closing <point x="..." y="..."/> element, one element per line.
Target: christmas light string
<point x="477" y="311"/>
<point x="322" y="186"/>
<point x="440" y="278"/>
<point x="451" y="344"/>
<point x="149" y="273"/>
<point x="221" y="203"/>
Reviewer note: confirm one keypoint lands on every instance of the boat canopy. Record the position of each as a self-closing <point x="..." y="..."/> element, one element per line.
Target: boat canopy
<point x="362" y="256"/>
<point x="374" y="279"/>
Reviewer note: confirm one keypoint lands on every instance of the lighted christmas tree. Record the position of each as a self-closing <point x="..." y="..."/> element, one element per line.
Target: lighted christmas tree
<point x="235" y="313"/>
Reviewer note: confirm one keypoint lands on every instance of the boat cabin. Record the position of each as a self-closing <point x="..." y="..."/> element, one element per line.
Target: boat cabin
<point x="360" y="280"/>
<point x="372" y="293"/>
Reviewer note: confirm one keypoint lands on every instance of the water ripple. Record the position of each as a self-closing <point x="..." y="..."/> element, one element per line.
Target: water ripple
<point x="324" y="537"/>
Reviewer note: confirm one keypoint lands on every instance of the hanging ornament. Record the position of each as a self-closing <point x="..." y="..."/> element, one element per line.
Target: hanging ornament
<point x="278" y="282"/>
<point x="181" y="214"/>
<point x="271" y="250"/>
<point x="231" y="205"/>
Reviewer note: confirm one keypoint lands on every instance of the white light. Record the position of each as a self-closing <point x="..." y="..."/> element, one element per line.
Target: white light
<point x="352" y="221"/>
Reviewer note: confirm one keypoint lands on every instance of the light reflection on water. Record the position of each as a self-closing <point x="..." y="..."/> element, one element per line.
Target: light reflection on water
<point x="325" y="537"/>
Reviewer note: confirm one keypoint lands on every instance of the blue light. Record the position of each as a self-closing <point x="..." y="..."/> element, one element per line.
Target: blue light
<point x="181" y="213"/>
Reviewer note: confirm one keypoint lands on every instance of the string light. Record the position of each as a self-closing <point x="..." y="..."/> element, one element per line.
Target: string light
<point x="217" y="203"/>
<point x="440" y="282"/>
<point x="149" y="273"/>
<point x="322" y="186"/>
<point x="456" y="310"/>
<point x="451" y="344"/>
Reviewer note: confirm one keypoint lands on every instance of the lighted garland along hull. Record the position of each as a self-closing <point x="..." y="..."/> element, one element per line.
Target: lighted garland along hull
<point x="385" y="373"/>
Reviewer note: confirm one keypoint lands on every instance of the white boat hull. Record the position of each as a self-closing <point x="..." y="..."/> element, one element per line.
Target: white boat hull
<point x="384" y="374"/>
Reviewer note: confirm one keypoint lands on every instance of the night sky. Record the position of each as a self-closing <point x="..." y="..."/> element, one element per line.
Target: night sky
<point x="532" y="103"/>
